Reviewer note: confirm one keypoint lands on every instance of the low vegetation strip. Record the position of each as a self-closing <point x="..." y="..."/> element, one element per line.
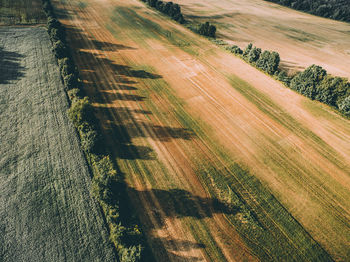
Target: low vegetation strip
<point x="108" y="184"/>
<point x="46" y="210"/>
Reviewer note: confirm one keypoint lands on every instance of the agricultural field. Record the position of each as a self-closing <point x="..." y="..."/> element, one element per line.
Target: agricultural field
<point x="21" y="12"/>
<point x="46" y="210"/>
<point x="301" y="39"/>
<point x="222" y="162"/>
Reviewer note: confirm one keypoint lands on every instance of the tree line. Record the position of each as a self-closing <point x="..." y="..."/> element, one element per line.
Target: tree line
<point x="313" y="82"/>
<point x="334" y="9"/>
<point x="174" y="11"/>
<point x="108" y="185"/>
<point x="168" y="8"/>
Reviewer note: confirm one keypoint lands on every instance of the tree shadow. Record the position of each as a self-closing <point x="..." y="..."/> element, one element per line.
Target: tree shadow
<point x="10" y="66"/>
<point x="93" y="44"/>
<point x="180" y="203"/>
<point x="176" y="203"/>
<point x="122" y="71"/>
<point x="125" y="132"/>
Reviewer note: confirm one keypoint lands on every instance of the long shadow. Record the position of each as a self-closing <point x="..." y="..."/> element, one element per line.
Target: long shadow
<point x="175" y="202"/>
<point x="180" y="203"/>
<point x="94" y="44"/>
<point x="10" y="66"/>
<point x="121" y="71"/>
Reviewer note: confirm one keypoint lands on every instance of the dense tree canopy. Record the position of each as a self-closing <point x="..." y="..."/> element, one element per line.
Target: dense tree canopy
<point x="334" y="9"/>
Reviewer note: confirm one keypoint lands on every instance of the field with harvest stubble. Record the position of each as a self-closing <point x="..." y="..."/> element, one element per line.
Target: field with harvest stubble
<point x="151" y="81"/>
<point x="46" y="210"/>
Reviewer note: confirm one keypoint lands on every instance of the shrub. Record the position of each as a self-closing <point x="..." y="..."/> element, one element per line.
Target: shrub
<point x="345" y="106"/>
<point x="88" y="137"/>
<point x="307" y="81"/>
<point x="247" y="49"/>
<point x="168" y="8"/>
<point x="60" y="49"/>
<point x="81" y="111"/>
<point x="282" y="76"/>
<point x="235" y="50"/>
<point x="131" y="254"/>
<point x="70" y="81"/>
<point x="253" y="55"/>
<point x="66" y="66"/>
<point x="269" y="62"/>
<point x="74" y="94"/>
<point x="207" y="29"/>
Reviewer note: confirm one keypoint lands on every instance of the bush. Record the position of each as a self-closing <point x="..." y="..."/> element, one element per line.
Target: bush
<point x="307" y="81"/>
<point x="131" y="254"/>
<point x="247" y="49"/>
<point x="74" y="94"/>
<point x="253" y="55"/>
<point x="88" y="137"/>
<point x="235" y="50"/>
<point x="345" y="106"/>
<point x="207" y="29"/>
<point x="269" y="62"/>
<point x="283" y="77"/>
<point x="60" y="49"/>
<point x="70" y="81"/>
<point x="168" y="8"/>
<point x="81" y="111"/>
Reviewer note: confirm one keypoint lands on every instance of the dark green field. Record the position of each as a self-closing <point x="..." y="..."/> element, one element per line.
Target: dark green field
<point x="46" y="210"/>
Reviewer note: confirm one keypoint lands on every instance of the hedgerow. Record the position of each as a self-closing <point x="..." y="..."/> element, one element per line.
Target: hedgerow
<point x="108" y="185"/>
<point x="168" y="8"/>
<point x="313" y="82"/>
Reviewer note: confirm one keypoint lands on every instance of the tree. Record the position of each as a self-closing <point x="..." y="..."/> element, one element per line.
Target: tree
<point x="207" y="30"/>
<point x="307" y="81"/>
<point x="345" y="106"/>
<point x="60" y="49"/>
<point x="247" y="49"/>
<point x="254" y="55"/>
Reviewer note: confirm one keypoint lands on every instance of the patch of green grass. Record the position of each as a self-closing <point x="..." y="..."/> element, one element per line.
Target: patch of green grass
<point x="47" y="211"/>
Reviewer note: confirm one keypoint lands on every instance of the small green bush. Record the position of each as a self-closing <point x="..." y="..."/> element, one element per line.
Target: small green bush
<point x="74" y="94"/>
<point x="235" y="50"/>
<point x="70" y="81"/>
<point x="307" y="81"/>
<point x="345" y="106"/>
<point x="88" y="137"/>
<point x="207" y="29"/>
<point x="81" y="111"/>
<point x="60" y="49"/>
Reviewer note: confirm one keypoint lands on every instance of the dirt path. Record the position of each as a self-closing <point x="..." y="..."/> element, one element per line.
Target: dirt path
<point x="300" y="38"/>
<point x="136" y="69"/>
